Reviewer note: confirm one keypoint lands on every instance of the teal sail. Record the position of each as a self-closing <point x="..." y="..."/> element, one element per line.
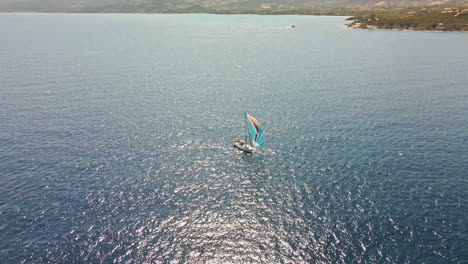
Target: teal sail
<point x="255" y="131"/>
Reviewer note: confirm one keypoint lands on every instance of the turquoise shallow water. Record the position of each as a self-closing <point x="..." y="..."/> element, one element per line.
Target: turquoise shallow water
<point x="116" y="129"/>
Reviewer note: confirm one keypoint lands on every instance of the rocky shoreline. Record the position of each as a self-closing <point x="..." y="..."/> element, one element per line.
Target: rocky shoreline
<point x="434" y="19"/>
<point x="439" y="28"/>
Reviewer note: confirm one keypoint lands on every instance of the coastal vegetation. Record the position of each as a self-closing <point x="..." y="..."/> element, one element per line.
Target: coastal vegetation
<point x="425" y="18"/>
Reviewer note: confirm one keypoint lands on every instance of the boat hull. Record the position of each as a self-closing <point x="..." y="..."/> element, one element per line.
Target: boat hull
<point x="240" y="145"/>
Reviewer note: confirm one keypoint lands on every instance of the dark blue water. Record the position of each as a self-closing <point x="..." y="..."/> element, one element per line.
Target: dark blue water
<point x="116" y="129"/>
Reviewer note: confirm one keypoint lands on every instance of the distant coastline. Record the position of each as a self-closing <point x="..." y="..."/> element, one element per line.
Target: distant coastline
<point x="423" y="18"/>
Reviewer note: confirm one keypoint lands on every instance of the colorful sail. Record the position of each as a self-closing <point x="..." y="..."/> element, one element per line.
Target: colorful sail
<point x="255" y="130"/>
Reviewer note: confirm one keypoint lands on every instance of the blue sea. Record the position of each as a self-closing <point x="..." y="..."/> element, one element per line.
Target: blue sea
<point x="116" y="130"/>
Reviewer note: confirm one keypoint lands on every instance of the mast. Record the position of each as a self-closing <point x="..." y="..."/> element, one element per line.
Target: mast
<point x="246" y="131"/>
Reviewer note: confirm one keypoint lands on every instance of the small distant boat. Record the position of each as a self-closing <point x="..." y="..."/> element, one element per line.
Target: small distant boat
<point x="293" y="26"/>
<point x="253" y="135"/>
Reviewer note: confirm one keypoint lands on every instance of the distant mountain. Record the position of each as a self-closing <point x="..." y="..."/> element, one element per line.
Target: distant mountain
<point x="196" y="6"/>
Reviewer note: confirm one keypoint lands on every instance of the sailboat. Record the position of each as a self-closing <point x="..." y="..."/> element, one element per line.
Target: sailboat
<point x="253" y="135"/>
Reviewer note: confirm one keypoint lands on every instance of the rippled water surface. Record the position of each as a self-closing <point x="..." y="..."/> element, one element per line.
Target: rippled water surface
<point x="116" y="129"/>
